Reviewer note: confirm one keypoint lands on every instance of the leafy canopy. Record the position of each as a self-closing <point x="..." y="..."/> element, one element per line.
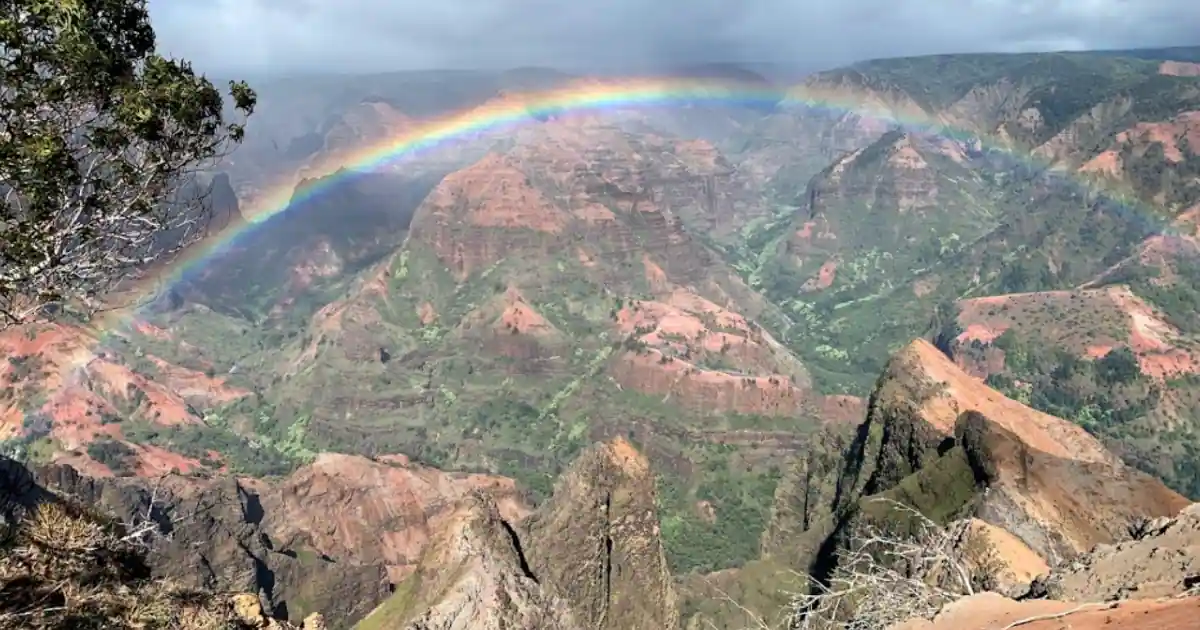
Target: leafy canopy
<point x="99" y="136"/>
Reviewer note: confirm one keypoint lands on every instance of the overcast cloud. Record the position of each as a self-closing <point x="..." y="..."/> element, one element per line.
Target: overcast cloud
<point x="291" y="36"/>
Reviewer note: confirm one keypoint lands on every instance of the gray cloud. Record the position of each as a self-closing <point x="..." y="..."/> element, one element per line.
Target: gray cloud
<point x="373" y="35"/>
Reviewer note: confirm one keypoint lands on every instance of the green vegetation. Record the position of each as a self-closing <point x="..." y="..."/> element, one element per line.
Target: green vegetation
<point x="940" y="490"/>
<point x="218" y="345"/>
<point x="536" y="462"/>
<point x="892" y="274"/>
<point x="937" y="81"/>
<point x="243" y="455"/>
<point x="119" y="458"/>
<point x="1100" y="395"/>
<point x="716" y="523"/>
<point x="1109" y="397"/>
<point x="1154" y="176"/>
<point x="33" y="443"/>
<point x="262" y="446"/>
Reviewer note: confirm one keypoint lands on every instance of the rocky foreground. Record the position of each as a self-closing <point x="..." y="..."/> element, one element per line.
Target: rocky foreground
<point x="1149" y="581"/>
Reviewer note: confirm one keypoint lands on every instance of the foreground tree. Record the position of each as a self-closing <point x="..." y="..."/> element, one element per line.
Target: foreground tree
<point x="99" y="138"/>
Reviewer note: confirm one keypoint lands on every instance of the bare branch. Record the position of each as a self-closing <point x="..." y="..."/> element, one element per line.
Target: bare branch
<point x="1059" y="615"/>
<point x="883" y="578"/>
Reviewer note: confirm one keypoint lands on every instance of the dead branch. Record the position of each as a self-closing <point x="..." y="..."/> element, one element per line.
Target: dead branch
<point x="1059" y="615"/>
<point x="884" y="578"/>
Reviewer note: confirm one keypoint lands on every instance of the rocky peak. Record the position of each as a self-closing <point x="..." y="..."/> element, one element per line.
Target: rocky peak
<point x="942" y="391"/>
<point x="948" y="445"/>
<point x="1041" y="473"/>
<point x="473" y="575"/>
<point x="329" y="538"/>
<point x="1060" y="507"/>
<point x="596" y="542"/>
<point x="590" y="557"/>
<point x="1044" y="479"/>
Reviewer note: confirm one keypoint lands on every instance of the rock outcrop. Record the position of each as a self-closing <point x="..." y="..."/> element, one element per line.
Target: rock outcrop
<point x="597" y="542"/>
<point x="590" y="558"/>
<point x="332" y="537"/>
<point x="802" y="514"/>
<point x="1042" y="478"/>
<point x="944" y="443"/>
<point x="65" y="564"/>
<point x="473" y="575"/>
<point x="212" y="537"/>
<point x="209" y="206"/>
<point x="1161" y="560"/>
<point x="1059" y="506"/>
<point x="398" y="507"/>
<point x="1149" y="581"/>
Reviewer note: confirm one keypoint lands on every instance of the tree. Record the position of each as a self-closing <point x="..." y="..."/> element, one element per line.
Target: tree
<point x="944" y="326"/>
<point x="99" y="136"/>
<point x="1118" y="366"/>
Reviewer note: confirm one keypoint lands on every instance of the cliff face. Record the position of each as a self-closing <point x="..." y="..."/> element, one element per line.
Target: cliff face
<point x="205" y="205"/>
<point x="591" y="557"/>
<point x="596" y="542"/>
<point x="936" y="439"/>
<point x="803" y="512"/>
<point x="398" y="507"/>
<point x="329" y="538"/>
<point x="1041" y="474"/>
<point x="65" y="563"/>
<point x="1060" y="507"/>
<point x="463" y="553"/>
<point x="457" y="218"/>
<point x="295" y="261"/>
<point x="473" y="575"/>
<point x="580" y="187"/>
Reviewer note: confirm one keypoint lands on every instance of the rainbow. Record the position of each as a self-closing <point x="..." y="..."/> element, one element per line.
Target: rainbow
<point x="509" y="111"/>
<point x="512" y="111"/>
<point x="524" y="108"/>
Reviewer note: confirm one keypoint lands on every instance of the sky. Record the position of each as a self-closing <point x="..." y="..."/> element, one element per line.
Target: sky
<point x="299" y="36"/>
